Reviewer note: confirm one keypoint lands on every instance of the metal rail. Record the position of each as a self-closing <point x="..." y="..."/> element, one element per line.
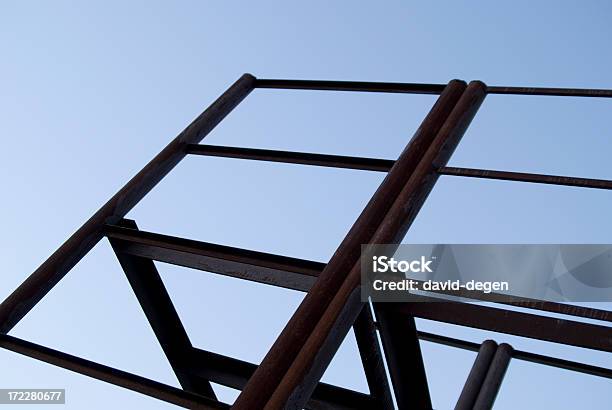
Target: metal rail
<point x="525" y="177"/>
<point x="361" y="86"/>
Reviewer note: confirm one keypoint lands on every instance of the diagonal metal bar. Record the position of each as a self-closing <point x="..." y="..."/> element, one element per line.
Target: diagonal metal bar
<point x="404" y="360"/>
<point x="343" y="309"/>
<point x="371" y="357"/>
<point x="110" y="375"/>
<point x="292" y="157"/>
<point x="43" y="279"/>
<point x="525" y="177"/>
<point x="290" y="342"/>
<point x="159" y="310"/>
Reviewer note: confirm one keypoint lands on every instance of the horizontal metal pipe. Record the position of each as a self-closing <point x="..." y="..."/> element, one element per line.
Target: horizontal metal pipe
<point x="305" y="158"/>
<point x="526" y="177"/>
<point x="562" y="364"/>
<point x="108" y="374"/>
<point x="363" y="86"/>
<point x="561" y="92"/>
<point x="545" y="328"/>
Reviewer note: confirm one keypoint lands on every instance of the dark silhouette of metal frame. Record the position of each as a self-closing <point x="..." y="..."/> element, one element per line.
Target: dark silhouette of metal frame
<point x="289" y="376"/>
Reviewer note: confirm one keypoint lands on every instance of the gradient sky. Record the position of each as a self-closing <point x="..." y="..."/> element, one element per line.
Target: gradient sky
<point x="92" y="90"/>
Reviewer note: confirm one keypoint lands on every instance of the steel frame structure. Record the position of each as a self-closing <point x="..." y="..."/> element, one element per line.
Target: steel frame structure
<point x="289" y="376"/>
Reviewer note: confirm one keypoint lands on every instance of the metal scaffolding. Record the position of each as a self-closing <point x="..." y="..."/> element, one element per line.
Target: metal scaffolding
<point x="289" y="375"/>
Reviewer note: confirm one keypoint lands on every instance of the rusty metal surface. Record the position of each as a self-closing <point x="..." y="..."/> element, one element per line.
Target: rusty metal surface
<point x="302" y="324"/>
<point x="526" y="177"/>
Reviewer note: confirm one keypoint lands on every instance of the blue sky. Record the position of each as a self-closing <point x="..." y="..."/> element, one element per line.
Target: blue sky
<point x="92" y="91"/>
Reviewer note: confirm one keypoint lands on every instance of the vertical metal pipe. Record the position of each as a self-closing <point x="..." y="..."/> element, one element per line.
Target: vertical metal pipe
<point x="288" y="344"/>
<point x="495" y="376"/>
<point x="477" y="375"/>
<point x="43" y="279"/>
<point x="314" y="354"/>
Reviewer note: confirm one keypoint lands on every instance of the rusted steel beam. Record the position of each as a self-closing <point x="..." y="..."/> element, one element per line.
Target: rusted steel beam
<point x="362" y="86"/>
<point x="579" y="334"/>
<point x="525" y="177"/>
<point x="277" y="270"/>
<point x="235" y="373"/>
<point x="400" y="342"/>
<point x="283" y="271"/>
<point x="477" y="376"/>
<point x="371" y="357"/>
<point x="43" y="279"/>
<point x="288" y="345"/>
<point x="561" y="92"/>
<point x="495" y="376"/>
<point x="334" y="322"/>
<point x="159" y="310"/>
<point x="108" y="374"/>
<point x="291" y="157"/>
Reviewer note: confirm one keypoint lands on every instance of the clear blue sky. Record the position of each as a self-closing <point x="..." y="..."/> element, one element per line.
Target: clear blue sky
<point x="90" y="91"/>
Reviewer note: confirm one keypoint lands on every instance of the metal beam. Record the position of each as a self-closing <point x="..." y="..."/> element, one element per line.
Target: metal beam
<point x="362" y="86"/>
<point x="327" y="335"/>
<point x="400" y="342"/>
<point x="495" y="376"/>
<point x="291" y="157"/>
<point x="525" y="177"/>
<point x="545" y="328"/>
<point x="477" y="376"/>
<point x="277" y="362"/>
<point x="283" y="271"/>
<point x="561" y="92"/>
<point x="371" y="357"/>
<point x="159" y="310"/>
<point x="108" y="374"/>
<point x="43" y="279"/>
